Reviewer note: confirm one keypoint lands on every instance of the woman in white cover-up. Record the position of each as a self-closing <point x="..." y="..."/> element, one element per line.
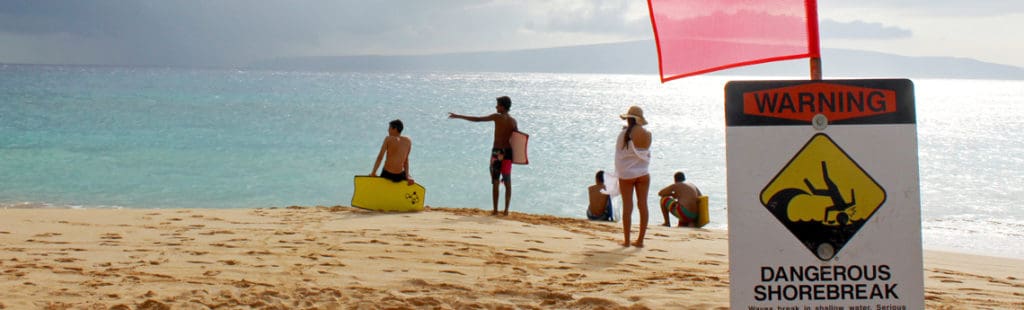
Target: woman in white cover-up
<point x="632" y="158"/>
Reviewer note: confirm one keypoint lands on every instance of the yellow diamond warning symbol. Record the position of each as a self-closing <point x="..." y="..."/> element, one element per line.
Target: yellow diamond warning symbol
<point x="822" y="196"/>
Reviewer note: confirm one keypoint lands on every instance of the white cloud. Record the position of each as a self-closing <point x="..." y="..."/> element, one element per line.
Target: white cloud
<point x="946" y="8"/>
<point x="861" y="30"/>
<point x="240" y="31"/>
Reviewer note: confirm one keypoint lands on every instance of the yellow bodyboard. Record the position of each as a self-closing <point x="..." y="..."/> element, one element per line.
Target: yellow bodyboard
<point x="380" y="194"/>
<point x="702" y="211"/>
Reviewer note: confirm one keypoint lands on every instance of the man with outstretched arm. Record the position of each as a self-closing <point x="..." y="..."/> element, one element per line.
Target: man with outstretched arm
<point x="501" y="149"/>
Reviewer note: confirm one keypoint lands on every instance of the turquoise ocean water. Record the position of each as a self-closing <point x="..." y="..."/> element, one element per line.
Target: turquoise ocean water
<point x="109" y="137"/>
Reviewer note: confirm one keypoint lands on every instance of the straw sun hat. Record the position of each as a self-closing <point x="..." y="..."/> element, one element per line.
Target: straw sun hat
<point x="636" y="113"/>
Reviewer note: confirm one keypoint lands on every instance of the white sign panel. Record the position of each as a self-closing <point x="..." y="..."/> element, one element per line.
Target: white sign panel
<point x="824" y="199"/>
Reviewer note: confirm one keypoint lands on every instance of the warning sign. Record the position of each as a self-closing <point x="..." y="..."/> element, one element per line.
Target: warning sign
<point x="824" y="206"/>
<point x="836" y="102"/>
<point x="822" y="196"/>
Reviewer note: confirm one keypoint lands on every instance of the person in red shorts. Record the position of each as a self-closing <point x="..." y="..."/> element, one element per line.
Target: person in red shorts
<point x="680" y="199"/>
<point x="501" y="149"/>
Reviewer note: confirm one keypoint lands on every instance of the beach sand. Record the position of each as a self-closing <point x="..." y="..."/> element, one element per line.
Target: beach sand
<point x="345" y="258"/>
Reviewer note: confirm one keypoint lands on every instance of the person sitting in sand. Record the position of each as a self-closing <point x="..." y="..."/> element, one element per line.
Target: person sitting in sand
<point x="397" y="148"/>
<point x="680" y="199"/>
<point x="600" y="208"/>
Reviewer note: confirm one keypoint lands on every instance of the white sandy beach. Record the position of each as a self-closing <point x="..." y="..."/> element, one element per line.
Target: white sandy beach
<point x="343" y="258"/>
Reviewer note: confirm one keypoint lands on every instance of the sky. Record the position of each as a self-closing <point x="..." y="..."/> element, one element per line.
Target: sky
<point x="238" y="32"/>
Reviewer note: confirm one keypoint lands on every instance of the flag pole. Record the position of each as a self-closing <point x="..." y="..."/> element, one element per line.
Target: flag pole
<point x="816" y="68"/>
<point x="813" y="41"/>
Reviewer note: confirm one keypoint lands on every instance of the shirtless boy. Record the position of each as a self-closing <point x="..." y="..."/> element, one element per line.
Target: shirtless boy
<point x="397" y="148"/>
<point x="680" y="199"/>
<point x="600" y="208"/>
<point x="501" y="149"/>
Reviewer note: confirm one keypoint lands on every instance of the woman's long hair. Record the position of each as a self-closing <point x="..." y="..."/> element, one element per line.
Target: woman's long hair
<point x="631" y="122"/>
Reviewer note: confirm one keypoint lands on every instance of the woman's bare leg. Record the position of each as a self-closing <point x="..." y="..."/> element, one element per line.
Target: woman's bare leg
<point x="643" y="184"/>
<point x="626" y="189"/>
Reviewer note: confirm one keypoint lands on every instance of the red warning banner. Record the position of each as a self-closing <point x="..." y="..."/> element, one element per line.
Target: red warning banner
<point x="701" y="36"/>
<point x="803" y="102"/>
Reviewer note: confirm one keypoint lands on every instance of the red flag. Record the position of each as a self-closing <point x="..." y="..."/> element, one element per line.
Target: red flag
<point x="701" y="36"/>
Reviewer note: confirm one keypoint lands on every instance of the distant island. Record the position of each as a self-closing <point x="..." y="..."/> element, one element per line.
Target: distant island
<point x="640" y="57"/>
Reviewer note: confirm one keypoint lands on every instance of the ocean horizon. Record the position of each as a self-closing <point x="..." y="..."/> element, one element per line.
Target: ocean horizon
<point x="124" y="137"/>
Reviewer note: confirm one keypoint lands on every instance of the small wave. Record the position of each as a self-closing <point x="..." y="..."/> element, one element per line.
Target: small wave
<point x="46" y="205"/>
<point x="975" y="234"/>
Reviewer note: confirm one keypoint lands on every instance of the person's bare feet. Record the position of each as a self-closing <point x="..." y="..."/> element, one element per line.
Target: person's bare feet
<point x="638" y="244"/>
<point x="666" y="224"/>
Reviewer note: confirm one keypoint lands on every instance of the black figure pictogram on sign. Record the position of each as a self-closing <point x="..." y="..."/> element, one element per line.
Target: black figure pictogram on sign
<point x="822" y="217"/>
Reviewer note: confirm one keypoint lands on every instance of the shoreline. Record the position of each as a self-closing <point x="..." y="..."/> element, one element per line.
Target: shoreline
<point x="440" y="258"/>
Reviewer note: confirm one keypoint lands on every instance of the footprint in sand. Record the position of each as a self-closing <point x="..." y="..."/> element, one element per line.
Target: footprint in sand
<point x="710" y="262"/>
<point x="217" y="232"/>
<point x="47" y="242"/>
<point x="575" y="276"/>
<point x="229" y="262"/>
<point x="333" y="264"/>
<point x="595" y="303"/>
<point x="110" y="239"/>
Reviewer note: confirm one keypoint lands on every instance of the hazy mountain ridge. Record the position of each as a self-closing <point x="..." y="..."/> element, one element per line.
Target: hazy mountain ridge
<point x="640" y="57"/>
